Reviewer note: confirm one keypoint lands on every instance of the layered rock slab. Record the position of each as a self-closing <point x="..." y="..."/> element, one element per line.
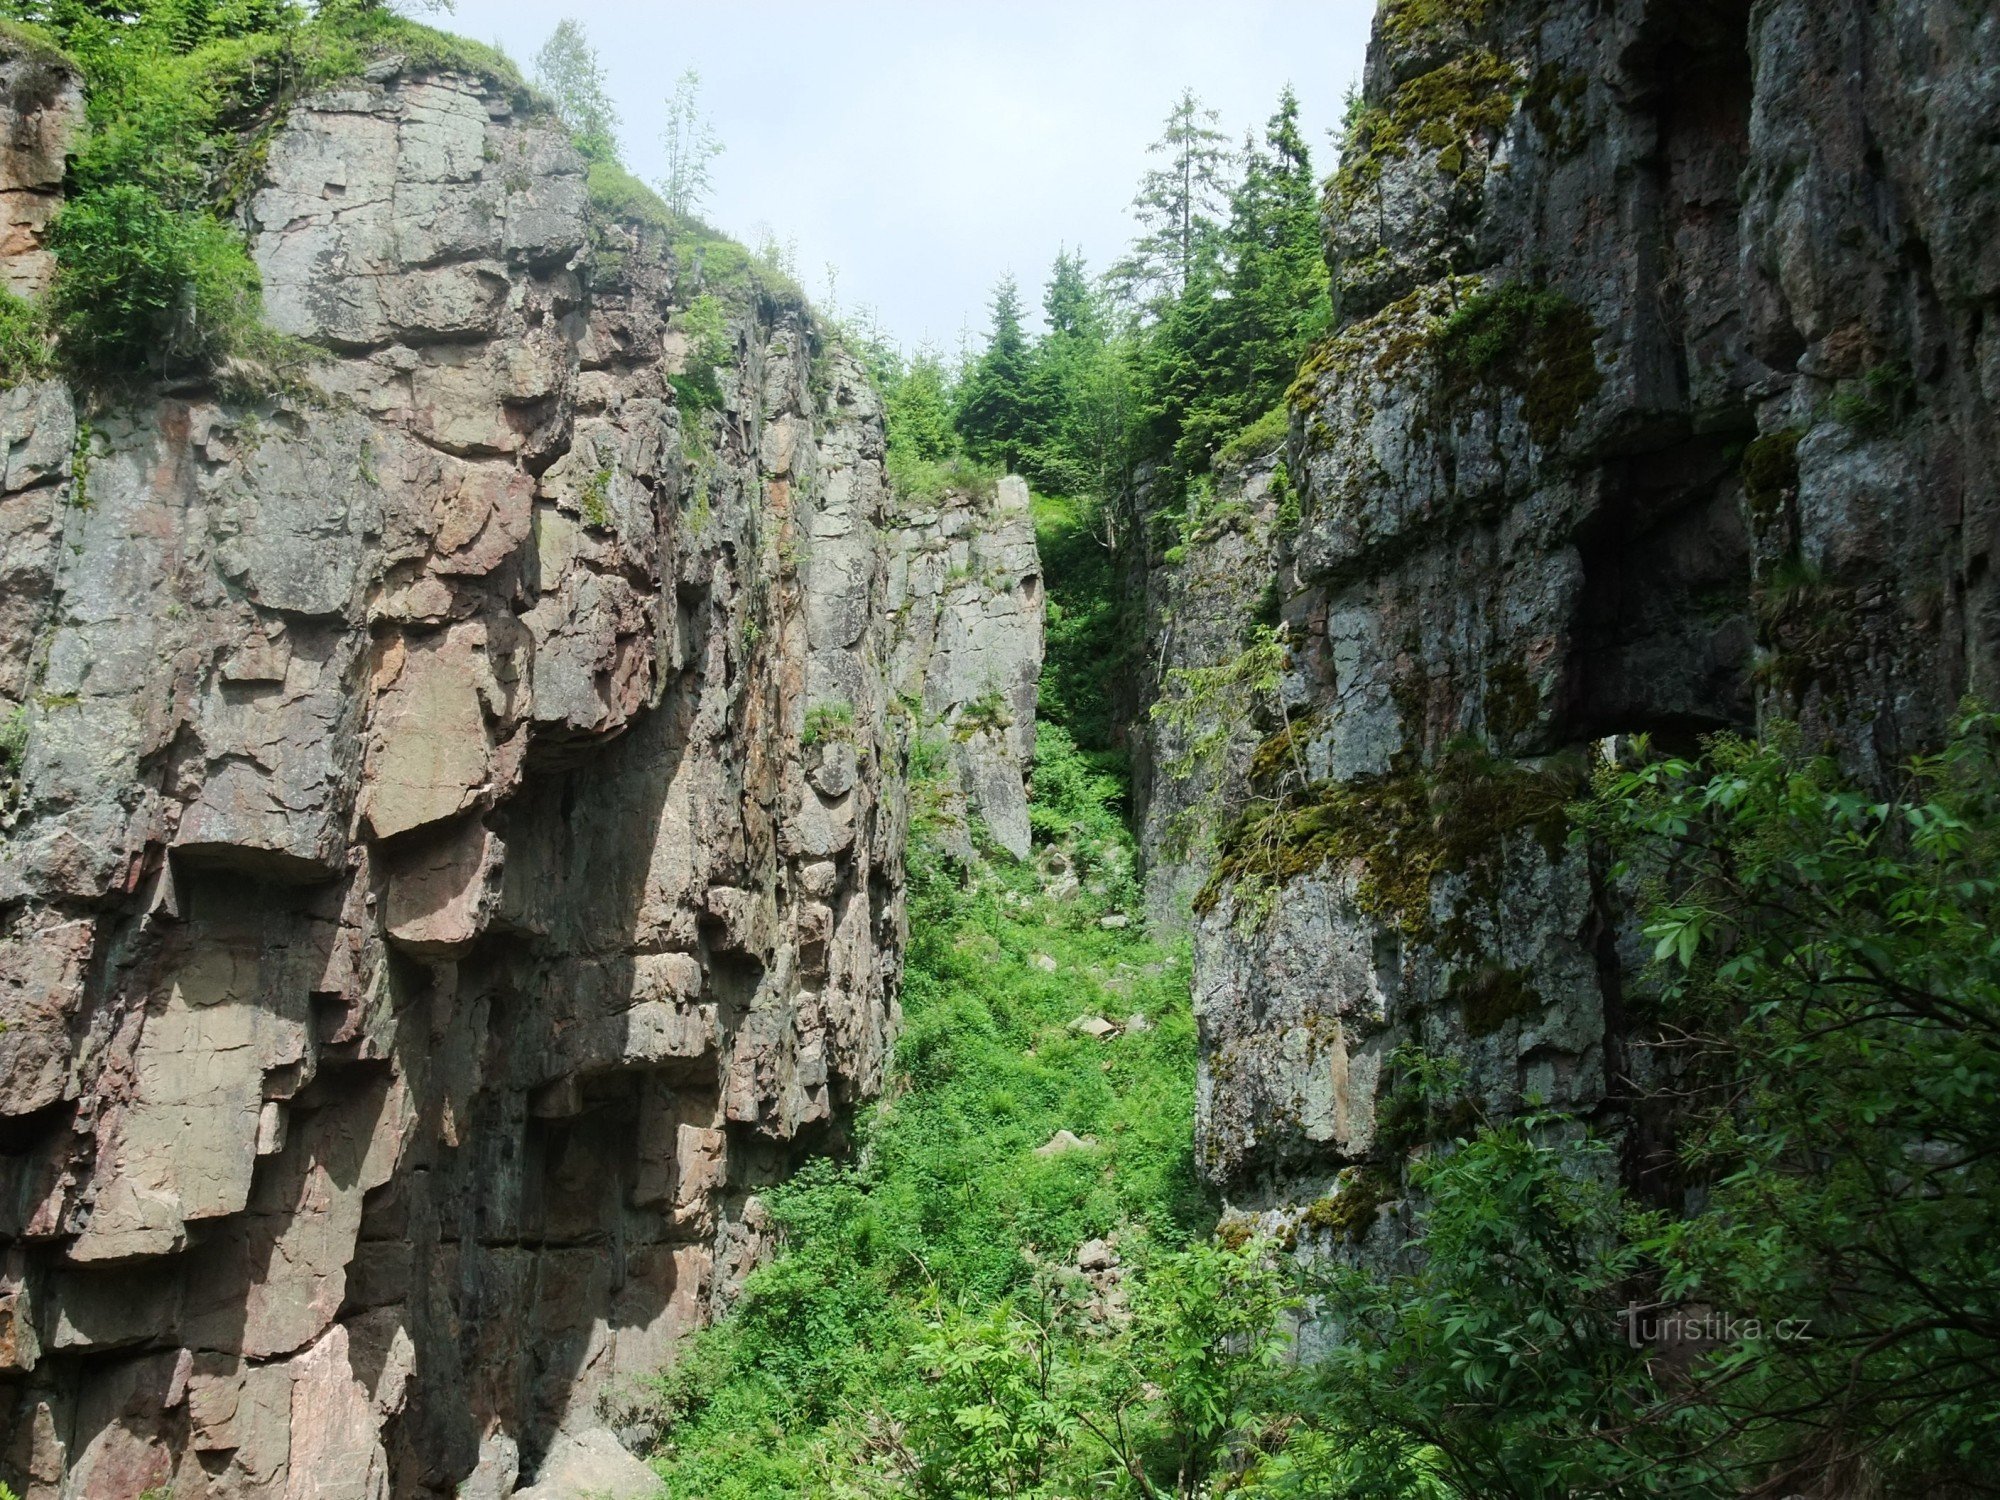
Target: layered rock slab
<point x="430" y="905"/>
<point x="1725" y="454"/>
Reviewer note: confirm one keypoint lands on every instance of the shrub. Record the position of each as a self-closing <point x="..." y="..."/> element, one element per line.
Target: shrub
<point x="143" y="285"/>
<point x="24" y="341"/>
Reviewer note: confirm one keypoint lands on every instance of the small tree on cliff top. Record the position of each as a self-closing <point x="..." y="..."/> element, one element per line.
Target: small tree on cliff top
<point x="567" y="70"/>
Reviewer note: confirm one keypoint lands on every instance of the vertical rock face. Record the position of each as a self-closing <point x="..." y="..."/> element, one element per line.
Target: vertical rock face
<point x="452" y="823"/>
<point x="42" y="103"/>
<point x="1666" y="399"/>
<point x="965" y="589"/>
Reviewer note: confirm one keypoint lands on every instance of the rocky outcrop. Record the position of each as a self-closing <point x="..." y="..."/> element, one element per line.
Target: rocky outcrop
<point x="42" y="103"/>
<point x="1203" y="601"/>
<point x="1666" y="398"/>
<point x="965" y="589"/>
<point x="453" y="821"/>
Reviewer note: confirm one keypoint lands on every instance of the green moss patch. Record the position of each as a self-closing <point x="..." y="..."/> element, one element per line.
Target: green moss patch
<point x="1350" y="1210"/>
<point x="1533" y="340"/>
<point x="1445" y="111"/>
<point x="1410" y="22"/>
<point x="1265" y="435"/>
<point x="1771" y="477"/>
<point x="1405" y="829"/>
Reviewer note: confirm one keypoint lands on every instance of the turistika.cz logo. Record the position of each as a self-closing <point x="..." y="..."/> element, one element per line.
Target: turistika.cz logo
<point x="1704" y="1327"/>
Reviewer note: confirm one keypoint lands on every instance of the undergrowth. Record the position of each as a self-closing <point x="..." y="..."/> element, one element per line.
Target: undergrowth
<point x="947" y="1199"/>
<point x="949" y="1217"/>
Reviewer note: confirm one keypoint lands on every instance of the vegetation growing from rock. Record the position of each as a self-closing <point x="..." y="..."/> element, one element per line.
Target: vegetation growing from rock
<point x="183" y="98"/>
<point x="1451" y="113"/>
<point x="1533" y="340"/>
<point x="933" y="1261"/>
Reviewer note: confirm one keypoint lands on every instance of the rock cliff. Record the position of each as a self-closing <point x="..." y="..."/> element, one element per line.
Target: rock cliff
<point x="1663" y="399"/>
<point x="453" y="814"/>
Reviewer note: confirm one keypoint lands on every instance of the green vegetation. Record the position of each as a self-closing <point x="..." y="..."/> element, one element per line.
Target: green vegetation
<point x="25" y="353"/>
<point x="826" y="723"/>
<point x="13" y="751"/>
<point x="950" y="1223"/>
<point x="571" y="77"/>
<point x="704" y="326"/>
<point x="182" y="99"/>
<point x="1449" y="111"/>
<point x="1405" y="829"/>
<point x="596" y="501"/>
<point x="1875" y="404"/>
<point x="1533" y="340"/>
<point x="1178" y="358"/>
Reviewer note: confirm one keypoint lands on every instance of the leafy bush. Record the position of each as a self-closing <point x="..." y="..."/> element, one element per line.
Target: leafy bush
<point x="143" y="285"/>
<point x="182" y="98"/>
<point x="1830" y="961"/>
<point x="705" y="328"/>
<point x="1827" y="970"/>
<point x="24" y="341"/>
<point x="947" y="1203"/>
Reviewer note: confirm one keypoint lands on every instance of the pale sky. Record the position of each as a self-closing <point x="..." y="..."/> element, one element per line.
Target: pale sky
<point x="927" y="148"/>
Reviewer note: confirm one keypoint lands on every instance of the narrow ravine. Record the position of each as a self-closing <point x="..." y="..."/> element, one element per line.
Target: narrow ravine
<point x="1034" y="1145"/>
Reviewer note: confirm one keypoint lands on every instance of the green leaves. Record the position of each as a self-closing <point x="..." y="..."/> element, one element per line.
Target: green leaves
<point x="1827" y="958"/>
<point x="140" y="284"/>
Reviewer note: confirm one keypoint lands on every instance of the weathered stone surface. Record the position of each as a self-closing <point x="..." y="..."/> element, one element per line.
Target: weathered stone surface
<point x="966" y="583"/>
<point x="441" y="896"/>
<point x="41" y="979"/>
<point x="1736" y="226"/>
<point x="456" y="852"/>
<point x="42" y="101"/>
<point x="591" y="1463"/>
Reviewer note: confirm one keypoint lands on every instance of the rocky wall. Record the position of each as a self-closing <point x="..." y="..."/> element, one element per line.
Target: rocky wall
<point x="965" y="593"/>
<point x="453" y="821"/>
<point x="1663" y="400"/>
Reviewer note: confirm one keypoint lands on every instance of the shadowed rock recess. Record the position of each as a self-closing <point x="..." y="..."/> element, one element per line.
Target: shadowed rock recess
<point x="1664" y="397"/>
<point x="456" y="856"/>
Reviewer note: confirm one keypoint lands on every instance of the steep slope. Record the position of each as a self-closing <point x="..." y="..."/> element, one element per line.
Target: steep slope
<point x="453" y="815"/>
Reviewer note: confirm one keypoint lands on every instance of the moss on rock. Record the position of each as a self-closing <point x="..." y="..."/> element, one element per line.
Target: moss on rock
<point x="1405" y="829"/>
<point x="1771" y="478"/>
<point x="1350" y="1210"/>
<point x="1533" y="340"/>
<point x="1407" y="23"/>
<point x="1446" y="112"/>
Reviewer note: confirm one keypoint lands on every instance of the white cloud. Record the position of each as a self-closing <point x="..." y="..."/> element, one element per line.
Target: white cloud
<point x="928" y="148"/>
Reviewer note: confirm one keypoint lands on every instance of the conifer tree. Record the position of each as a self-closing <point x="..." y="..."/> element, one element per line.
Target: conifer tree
<point x="1178" y="206"/>
<point x="993" y="398"/>
<point x="1220" y="355"/>
<point x="919" y="410"/>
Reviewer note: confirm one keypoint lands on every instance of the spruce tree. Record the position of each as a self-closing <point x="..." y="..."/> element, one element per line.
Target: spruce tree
<point x="993" y="398"/>
<point x="1223" y="356"/>
<point x="1178" y="207"/>
<point x="919" y="410"/>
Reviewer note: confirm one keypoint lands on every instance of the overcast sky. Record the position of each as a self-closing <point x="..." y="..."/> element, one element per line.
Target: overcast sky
<point x="925" y="147"/>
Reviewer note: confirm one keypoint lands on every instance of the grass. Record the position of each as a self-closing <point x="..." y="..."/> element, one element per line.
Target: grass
<point x="25" y="353"/>
<point x="925" y="481"/>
